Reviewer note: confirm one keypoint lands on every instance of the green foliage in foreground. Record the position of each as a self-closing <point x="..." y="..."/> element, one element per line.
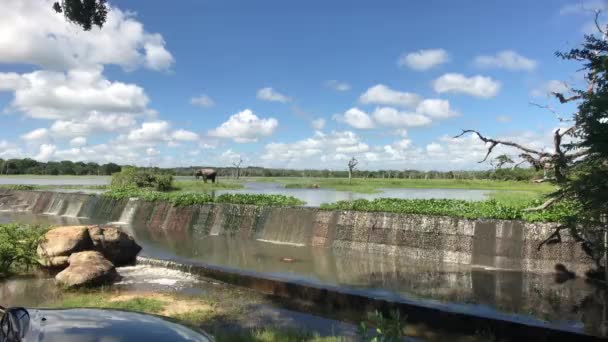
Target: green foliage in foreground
<point x="381" y="328"/>
<point x="18" y="247"/>
<point x="189" y="198"/>
<point x="139" y="304"/>
<point x="490" y="209"/>
<point x="18" y="187"/>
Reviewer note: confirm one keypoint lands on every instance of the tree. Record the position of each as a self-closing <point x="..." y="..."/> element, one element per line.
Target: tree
<point x="84" y="13"/>
<point x="352" y="163"/>
<point x="503" y="159"/>
<point x="237" y="166"/>
<point x="578" y="164"/>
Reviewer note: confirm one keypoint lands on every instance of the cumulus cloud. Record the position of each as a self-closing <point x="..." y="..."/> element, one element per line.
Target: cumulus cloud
<point x="356" y="118"/>
<point x="423" y="59"/>
<point x="478" y="86"/>
<point x="506" y="59"/>
<point x="78" y="142"/>
<point x="57" y="95"/>
<point x="202" y="101"/>
<point x="34" y="34"/>
<point x="93" y="123"/>
<point x="436" y="108"/>
<point x="335" y="145"/>
<point x="383" y="95"/>
<point x="392" y="117"/>
<point x="183" y="135"/>
<point x="337" y="85"/>
<point x="269" y="94"/>
<point x="245" y="127"/>
<point x="150" y="132"/>
<point x="46" y="152"/>
<point x="36" y="135"/>
<point x="318" y="124"/>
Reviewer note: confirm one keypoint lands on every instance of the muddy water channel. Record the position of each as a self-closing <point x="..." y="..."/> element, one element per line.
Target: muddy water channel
<point x="531" y="298"/>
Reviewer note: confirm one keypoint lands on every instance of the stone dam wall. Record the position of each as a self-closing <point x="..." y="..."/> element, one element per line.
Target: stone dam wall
<point x="500" y="244"/>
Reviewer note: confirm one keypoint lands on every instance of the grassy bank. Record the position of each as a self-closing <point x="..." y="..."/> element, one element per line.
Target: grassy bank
<point x="373" y="185"/>
<point x="211" y="313"/>
<point x="200" y="186"/>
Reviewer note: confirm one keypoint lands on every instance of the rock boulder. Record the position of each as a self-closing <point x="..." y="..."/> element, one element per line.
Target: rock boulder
<point x="59" y="243"/>
<point x="115" y="245"/>
<point x="88" y="268"/>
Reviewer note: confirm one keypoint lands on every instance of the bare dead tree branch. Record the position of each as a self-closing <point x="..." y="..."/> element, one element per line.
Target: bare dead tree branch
<point x="549" y="108"/>
<point x="562" y="99"/>
<point x="547" y="204"/>
<point x="494" y="143"/>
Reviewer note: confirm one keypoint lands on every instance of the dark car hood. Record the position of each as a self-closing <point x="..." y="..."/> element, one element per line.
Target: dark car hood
<point x="87" y="325"/>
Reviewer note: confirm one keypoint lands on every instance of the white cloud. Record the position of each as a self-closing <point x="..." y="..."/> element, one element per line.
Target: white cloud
<point x="92" y="124"/>
<point x="434" y="148"/>
<point x="269" y="94"/>
<point x="33" y="33"/>
<point x="549" y="87"/>
<point x="391" y="117"/>
<point x="381" y="94"/>
<point x="356" y="118"/>
<point x="335" y="146"/>
<point x="479" y="86"/>
<point x="245" y="127"/>
<point x="423" y="59"/>
<point x="183" y="135"/>
<point x="36" y="135"/>
<point x="57" y="95"/>
<point x="506" y="59"/>
<point x="436" y="108"/>
<point x="11" y="81"/>
<point x="151" y="151"/>
<point x="318" y="124"/>
<point x="78" y="142"/>
<point x="150" y="132"/>
<point x="337" y="85"/>
<point x="46" y="152"/>
<point x="202" y="101"/>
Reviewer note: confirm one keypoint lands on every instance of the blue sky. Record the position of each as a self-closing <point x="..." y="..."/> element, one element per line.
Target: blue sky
<point x="305" y="84"/>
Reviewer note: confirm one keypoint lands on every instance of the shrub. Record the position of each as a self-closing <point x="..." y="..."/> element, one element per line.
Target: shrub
<point x="18" y="247"/>
<point x="132" y="178"/>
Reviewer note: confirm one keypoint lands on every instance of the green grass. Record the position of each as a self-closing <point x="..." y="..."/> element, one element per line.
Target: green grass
<point x="372" y="185"/>
<point x="92" y="300"/>
<point x="103" y="299"/>
<point x="193" y="198"/>
<point x="504" y="209"/>
<point x="200" y="186"/>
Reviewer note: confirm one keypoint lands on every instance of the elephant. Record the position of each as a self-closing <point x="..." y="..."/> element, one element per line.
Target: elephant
<point x="206" y="174"/>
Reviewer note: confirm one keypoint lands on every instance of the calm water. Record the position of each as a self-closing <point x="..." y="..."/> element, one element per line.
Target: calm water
<point x="312" y="197"/>
<point x="527" y="297"/>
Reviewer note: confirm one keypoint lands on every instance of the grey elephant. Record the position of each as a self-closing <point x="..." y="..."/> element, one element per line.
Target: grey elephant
<point x="206" y="174"/>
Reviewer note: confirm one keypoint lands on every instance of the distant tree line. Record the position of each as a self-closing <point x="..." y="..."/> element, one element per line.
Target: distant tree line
<point x="66" y="167"/>
<point x="32" y="167"/>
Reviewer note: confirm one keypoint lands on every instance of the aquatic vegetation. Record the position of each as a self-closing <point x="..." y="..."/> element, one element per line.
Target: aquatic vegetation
<point x="381" y="328"/>
<point x="18" y="247"/>
<point x="134" y="178"/>
<point x="192" y="198"/>
<point x="490" y="209"/>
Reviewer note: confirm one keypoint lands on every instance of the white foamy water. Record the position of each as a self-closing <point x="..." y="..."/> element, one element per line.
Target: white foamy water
<point x="145" y="276"/>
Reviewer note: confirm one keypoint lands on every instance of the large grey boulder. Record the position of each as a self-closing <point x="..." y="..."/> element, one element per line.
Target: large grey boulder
<point x="117" y="246"/>
<point x="59" y="243"/>
<point x="88" y="268"/>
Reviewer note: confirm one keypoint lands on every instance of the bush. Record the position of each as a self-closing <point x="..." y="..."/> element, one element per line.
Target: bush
<point x="132" y="178"/>
<point x="18" y="247"/>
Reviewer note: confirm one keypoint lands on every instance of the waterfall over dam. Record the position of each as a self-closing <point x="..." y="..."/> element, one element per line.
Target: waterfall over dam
<point x="492" y="268"/>
<point x="490" y="244"/>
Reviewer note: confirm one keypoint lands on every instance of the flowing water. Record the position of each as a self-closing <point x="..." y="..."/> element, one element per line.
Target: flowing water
<point x="282" y="250"/>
